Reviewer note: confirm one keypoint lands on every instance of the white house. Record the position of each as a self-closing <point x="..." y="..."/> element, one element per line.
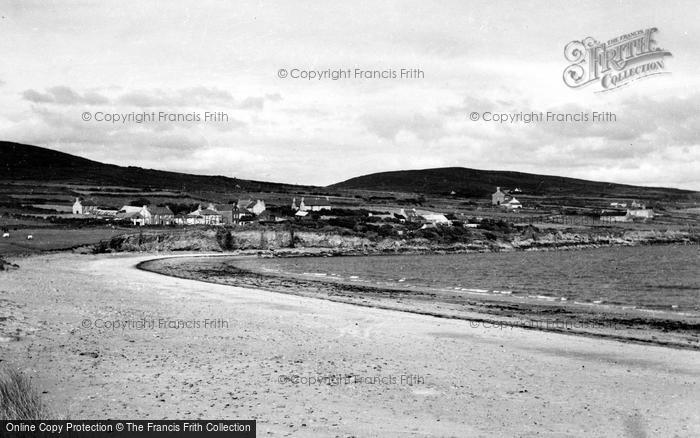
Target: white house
<point x="204" y="217"/>
<point x="256" y="207"/>
<point x="436" y="218"/>
<point x="499" y="197"/>
<point x="642" y="213"/>
<point x="619" y="218"/>
<point x="157" y="215"/>
<point x="130" y="209"/>
<point x="84" y="206"/>
<point x="512" y="205"/>
<point x="312" y="204"/>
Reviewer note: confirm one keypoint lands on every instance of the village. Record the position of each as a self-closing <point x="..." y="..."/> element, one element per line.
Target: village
<point x="250" y="210"/>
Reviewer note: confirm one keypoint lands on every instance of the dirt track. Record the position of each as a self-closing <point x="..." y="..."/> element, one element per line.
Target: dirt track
<point x="466" y="381"/>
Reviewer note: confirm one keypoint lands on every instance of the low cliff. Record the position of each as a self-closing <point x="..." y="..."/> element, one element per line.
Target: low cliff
<point x="225" y="240"/>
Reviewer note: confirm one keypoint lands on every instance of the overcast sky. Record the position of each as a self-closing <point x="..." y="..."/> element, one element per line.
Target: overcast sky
<point x="62" y="59"/>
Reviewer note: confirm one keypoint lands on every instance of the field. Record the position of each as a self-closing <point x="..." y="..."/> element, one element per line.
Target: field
<point x="51" y="239"/>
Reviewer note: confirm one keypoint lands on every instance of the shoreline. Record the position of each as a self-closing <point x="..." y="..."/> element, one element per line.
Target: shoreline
<point x="640" y="326"/>
<point x="474" y="380"/>
<point x="335" y="243"/>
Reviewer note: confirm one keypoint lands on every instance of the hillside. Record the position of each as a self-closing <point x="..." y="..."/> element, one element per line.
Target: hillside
<point x="21" y="162"/>
<point x="479" y="183"/>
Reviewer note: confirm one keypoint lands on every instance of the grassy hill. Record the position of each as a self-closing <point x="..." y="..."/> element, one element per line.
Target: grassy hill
<point x="21" y="162"/>
<point x="479" y="183"/>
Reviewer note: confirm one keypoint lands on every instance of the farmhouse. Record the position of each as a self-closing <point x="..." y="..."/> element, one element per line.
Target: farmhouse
<point x="499" y="197"/>
<point x="250" y="206"/>
<point x="408" y="216"/>
<point x="128" y="213"/>
<point x="505" y="199"/>
<point x="204" y="217"/>
<point x="227" y="211"/>
<point x="84" y="206"/>
<point x="513" y="204"/>
<point x="642" y="213"/>
<point x="157" y="215"/>
<point x="424" y="216"/>
<point x="436" y="219"/>
<point x="130" y="209"/>
<point x="615" y="218"/>
<point x="106" y="212"/>
<point x="312" y="204"/>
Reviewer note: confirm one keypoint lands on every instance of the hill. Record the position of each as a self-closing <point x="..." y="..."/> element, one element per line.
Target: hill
<point x="479" y="183"/>
<point x="21" y="162"/>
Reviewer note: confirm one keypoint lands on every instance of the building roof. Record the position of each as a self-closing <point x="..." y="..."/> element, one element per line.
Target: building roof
<point x="88" y="203"/>
<point x="129" y="215"/>
<point x="435" y="217"/>
<point x="130" y="209"/>
<point x="161" y="210"/>
<point x="245" y="203"/>
<point x="208" y="212"/>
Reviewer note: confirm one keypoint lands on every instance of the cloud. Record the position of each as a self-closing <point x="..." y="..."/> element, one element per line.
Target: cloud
<point x="178" y="98"/>
<point x="36" y="97"/>
<point x="193" y="97"/>
<point x="257" y="103"/>
<point x="253" y="103"/>
<point x="389" y="126"/>
<point x="62" y="95"/>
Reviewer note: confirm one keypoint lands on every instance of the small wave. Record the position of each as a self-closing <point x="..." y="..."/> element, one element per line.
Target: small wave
<point x="542" y="297"/>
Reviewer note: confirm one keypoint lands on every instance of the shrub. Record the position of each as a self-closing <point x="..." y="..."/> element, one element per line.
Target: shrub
<point x="224" y="238"/>
<point x="19" y="400"/>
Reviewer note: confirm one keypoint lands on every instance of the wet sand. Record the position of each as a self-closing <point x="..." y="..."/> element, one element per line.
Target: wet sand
<point x="680" y="330"/>
<point x="458" y="379"/>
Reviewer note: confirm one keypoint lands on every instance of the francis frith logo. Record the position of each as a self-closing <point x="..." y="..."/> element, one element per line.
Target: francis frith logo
<point x="616" y="62"/>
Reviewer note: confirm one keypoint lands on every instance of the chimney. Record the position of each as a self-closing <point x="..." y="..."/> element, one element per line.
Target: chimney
<point x="498" y="189"/>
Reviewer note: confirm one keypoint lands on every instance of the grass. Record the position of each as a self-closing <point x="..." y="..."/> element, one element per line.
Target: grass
<point x="47" y="239"/>
<point x="19" y="399"/>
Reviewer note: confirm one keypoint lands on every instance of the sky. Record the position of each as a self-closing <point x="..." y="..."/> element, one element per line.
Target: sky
<point x="63" y="60"/>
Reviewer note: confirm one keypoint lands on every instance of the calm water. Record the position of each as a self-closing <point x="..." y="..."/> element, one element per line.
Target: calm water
<point x="652" y="277"/>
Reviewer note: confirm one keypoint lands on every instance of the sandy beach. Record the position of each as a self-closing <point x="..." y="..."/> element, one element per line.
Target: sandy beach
<point x="106" y="340"/>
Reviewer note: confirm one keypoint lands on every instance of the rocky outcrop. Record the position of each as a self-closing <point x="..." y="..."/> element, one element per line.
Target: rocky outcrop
<point x="6" y="266"/>
<point x="569" y="239"/>
<point x="225" y="240"/>
<point x="186" y="240"/>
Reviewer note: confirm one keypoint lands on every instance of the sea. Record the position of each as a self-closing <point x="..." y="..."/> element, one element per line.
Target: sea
<point x="654" y="278"/>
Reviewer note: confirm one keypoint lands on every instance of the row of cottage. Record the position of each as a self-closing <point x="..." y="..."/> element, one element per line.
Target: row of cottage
<point x="622" y="212"/>
<point x="244" y="210"/>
